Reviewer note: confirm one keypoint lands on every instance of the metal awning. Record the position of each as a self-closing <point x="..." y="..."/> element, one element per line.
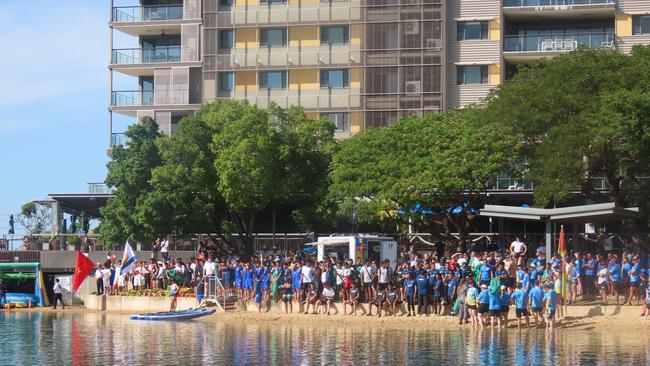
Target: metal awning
<point x="330" y="242"/>
<point x="90" y="203"/>
<point x="601" y="212"/>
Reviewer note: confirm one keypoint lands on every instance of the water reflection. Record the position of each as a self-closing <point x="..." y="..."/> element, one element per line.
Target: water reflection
<point x="95" y="338"/>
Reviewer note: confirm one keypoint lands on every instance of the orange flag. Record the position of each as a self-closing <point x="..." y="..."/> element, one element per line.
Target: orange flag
<point x="81" y="270"/>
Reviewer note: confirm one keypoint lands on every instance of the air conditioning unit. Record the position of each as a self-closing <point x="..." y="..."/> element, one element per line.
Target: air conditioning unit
<point x="432" y="43"/>
<point x="412" y="87"/>
<point x="412" y="27"/>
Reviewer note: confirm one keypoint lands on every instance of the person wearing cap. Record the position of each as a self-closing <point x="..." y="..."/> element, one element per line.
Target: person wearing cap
<point x="483" y="300"/>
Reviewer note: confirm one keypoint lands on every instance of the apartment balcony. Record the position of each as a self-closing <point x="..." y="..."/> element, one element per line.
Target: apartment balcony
<point x="521" y="49"/>
<point x="313" y="100"/>
<point x="155" y="19"/>
<point x="287" y="14"/>
<point x="142" y="61"/>
<point x="129" y="102"/>
<point x="522" y="10"/>
<point x="290" y="57"/>
<point x="118" y="139"/>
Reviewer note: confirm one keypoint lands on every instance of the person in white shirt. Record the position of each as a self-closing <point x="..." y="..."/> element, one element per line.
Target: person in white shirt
<point x="209" y="269"/>
<point x="164" y="247"/>
<point x="99" y="279"/>
<point x="603" y="276"/>
<point x="306" y="278"/>
<point x="106" y="274"/>
<point x="384" y="274"/>
<point x="518" y="249"/>
<point x="58" y="293"/>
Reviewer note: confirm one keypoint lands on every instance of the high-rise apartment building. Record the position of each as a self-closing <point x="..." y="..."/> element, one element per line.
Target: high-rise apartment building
<point x="359" y="63"/>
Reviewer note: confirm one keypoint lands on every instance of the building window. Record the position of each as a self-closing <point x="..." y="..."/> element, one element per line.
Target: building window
<point x="226" y="81"/>
<point x="273" y="79"/>
<point x="226" y="39"/>
<point x="641" y="24"/>
<point x="269" y="2"/>
<point x="472" y="30"/>
<point x="340" y="120"/>
<point x="226" y="2"/>
<point x="273" y="37"/>
<point x="334" y="35"/>
<point x="334" y="79"/>
<point x="472" y="75"/>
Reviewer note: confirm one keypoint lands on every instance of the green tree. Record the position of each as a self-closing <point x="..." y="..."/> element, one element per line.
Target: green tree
<point x="582" y="115"/>
<point x="129" y="173"/>
<point x="35" y="218"/>
<point x="439" y="161"/>
<point x="229" y="162"/>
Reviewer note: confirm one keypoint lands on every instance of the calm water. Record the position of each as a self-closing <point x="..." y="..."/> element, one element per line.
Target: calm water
<point x="88" y="339"/>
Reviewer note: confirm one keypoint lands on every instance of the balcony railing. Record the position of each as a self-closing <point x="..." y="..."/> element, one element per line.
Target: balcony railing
<point x="311" y="99"/>
<point x="557" y="43"/>
<point x="343" y="55"/>
<point x="132" y="98"/>
<point x="294" y="13"/>
<point x="119" y="139"/>
<point x="147" y="13"/>
<point x="133" y="56"/>
<point x="98" y="188"/>
<point x="522" y="3"/>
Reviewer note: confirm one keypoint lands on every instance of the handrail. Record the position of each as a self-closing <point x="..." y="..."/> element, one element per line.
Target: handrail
<point x="146" y="55"/>
<point x="147" y="13"/>
<point x="524" y="3"/>
<point x="211" y="294"/>
<point x="536" y="42"/>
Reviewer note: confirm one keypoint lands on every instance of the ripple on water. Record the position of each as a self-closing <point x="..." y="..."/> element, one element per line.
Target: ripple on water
<point x="95" y="338"/>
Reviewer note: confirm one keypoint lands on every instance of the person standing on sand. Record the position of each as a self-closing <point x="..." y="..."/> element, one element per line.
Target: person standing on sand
<point x="519" y="298"/>
<point x="259" y="292"/>
<point x="409" y="291"/>
<point x="287" y="297"/>
<point x="536" y="299"/>
<point x="58" y="294"/>
<point x="550" y="300"/>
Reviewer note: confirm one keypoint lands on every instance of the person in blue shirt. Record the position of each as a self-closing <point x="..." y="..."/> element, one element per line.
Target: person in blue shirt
<point x="519" y="297"/>
<point x="295" y="281"/>
<point x="450" y="290"/>
<point x="635" y="281"/>
<point x="550" y="299"/>
<point x="536" y="298"/>
<point x="505" y="308"/>
<point x="590" y="272"/>
<point x="409" y="290"/>
<point x="437" y="293"/>
<point x="486" y="273"/>
<point x="483" y="300"/>
<point x="525" y="281"/>
<point x="470" y="299"/>
<point x="258" y="288"/>
<point x="422" y="283"/>
<point x="495" y="307"/>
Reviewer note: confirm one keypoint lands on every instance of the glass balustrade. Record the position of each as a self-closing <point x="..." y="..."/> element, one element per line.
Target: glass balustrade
<point x="147" y="13"/>
<point x="557" y="42"/>
<point x="160" y="54"/>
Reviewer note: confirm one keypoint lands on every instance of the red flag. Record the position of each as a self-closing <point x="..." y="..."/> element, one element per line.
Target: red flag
<point x="81" y="270"/>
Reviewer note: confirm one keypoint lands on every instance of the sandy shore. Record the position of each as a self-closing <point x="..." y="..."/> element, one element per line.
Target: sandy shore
<point x="585" y="317"/>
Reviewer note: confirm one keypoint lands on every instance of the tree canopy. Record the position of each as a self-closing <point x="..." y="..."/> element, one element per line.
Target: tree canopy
<point x="230" y="161"/>
<point x="129" y="173"/>
<point x="438" y="161"/>
<point x="582" y="115"/>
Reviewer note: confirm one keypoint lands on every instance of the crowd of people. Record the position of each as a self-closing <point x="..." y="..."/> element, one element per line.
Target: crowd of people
<point x="479" y="287"/>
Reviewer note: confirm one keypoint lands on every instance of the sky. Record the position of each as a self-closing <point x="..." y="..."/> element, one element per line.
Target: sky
<point x="53" y="99"/>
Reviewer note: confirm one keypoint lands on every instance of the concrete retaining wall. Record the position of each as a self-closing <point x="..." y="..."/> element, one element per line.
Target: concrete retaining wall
<point x="136" y="304"/>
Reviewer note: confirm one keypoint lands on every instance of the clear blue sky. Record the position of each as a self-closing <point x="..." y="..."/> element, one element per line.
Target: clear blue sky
<point x="53" y="99"/>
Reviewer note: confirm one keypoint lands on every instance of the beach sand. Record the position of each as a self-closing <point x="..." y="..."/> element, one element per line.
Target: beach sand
<point x="579" y="317"/>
